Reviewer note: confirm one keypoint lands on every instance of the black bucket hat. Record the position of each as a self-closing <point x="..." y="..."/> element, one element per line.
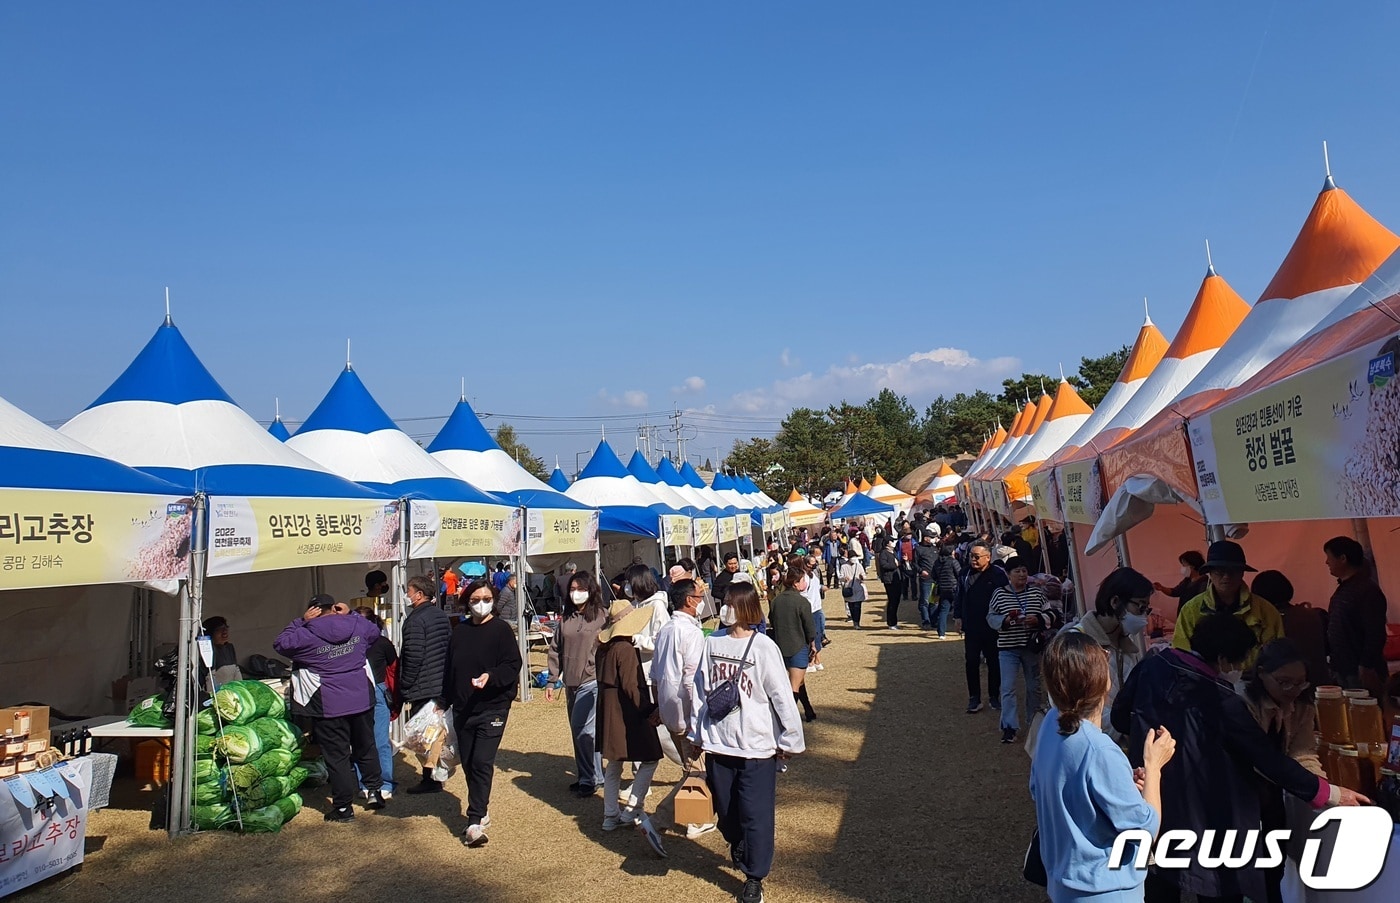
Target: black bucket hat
<point x="1226" y="555"/>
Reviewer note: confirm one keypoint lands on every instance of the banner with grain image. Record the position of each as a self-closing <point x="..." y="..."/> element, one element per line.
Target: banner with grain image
<point x="271" y="534"/>
<point x="60" y="538"/>
<point x="1322" y="444"/>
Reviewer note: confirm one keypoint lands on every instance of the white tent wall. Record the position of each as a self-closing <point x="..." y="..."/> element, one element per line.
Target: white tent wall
<point x="64" y="646"/>
<point x="258" y="607"/>
<point x="618" y="551"/>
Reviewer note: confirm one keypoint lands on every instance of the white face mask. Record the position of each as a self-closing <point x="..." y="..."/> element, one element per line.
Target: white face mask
<point x="578" y="596"/>
<point x="483" y="608"/>
<point x="1134" y="624"/>
<point x="1185" y="571"/>
<point x="1232" y="676"/>
<point x="727" y="616"/>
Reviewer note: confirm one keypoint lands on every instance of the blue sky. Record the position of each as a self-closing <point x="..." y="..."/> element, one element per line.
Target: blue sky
<point x="595" y="210"/>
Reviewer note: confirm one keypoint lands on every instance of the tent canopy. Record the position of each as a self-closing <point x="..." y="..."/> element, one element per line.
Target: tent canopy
<point x="625" y="505"/>
<point x="861" y="506"/>
<point x="558" y="481"/>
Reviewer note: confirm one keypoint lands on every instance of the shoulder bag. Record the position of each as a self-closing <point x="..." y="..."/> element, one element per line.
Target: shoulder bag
<point x="723" y="698"/>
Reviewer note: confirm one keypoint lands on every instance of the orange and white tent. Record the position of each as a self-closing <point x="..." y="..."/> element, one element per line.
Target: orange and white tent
<point x="864" y="485"/>
<point x="967" y="490"/>
<point x="942" y="487"/>
<point x="1014" y="440"/>
<point x="1067" y="413"/>
<point x="994" y="477"/>
<point x="851" y="491"/>
<point x="801" y="512"/>
<point x="1338" y="247"/>
<point x="882" y="491"/>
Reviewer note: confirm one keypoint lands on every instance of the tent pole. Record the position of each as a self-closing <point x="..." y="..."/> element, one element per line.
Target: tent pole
<point x="522" y="595"/>
<point x="186" y="701"/>
<point x="1079" y="588"/>
<point x="399" y="601"/>
<point x="1120" y="542"/>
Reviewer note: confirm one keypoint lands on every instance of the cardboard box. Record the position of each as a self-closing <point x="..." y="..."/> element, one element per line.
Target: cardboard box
<point x="38" y="720"/>
<point x="694" y="805"/>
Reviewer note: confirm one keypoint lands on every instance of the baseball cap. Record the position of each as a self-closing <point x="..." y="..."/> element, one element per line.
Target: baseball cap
<point x="323" y="601"/>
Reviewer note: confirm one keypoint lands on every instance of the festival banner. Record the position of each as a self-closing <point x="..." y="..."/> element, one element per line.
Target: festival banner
<point x="706" y="531"/>
<point x="727" y="533"/>
<point x="743" y="526"/>
<point x="43" y="823"/>
<point x="1081" y="491"/>
<point x="62" y="538"/>
<point x="555" y="530"/>
<point x="463" y="530"/>
<point x="675" y="530"/>
<point x="1322" y="444"/>
<point x="1045" y="492"/>
<point x="271" y="534"/>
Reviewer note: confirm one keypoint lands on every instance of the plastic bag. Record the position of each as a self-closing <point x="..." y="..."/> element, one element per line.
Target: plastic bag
<point x="448" y="758"/>
<point x="149" y="712"/>
<point x="425" y="734"/>
<point x="266" y="792"/>
<point x="205" y="723"/>
<point x="266" y="820"/>
<point x="213" y="816"/>
<point x="289" y="806"/>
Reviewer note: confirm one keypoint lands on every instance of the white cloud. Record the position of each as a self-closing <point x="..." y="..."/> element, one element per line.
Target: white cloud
<point x="920" y="376"/>
<point x="691" y="384"/>
<point x="787" y="359"/>
<point x="632" y="398"/>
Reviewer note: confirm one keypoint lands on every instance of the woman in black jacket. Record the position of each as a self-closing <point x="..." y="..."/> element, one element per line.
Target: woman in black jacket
<point x="887" y="566"/>
<point x="1210" y="784"/>
<point x="480" y="680"/>
<point x="946" y="571"/>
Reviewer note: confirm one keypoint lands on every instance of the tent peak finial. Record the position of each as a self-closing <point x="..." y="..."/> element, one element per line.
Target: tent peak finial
<point x="347" y="355"/>
<point x="1210" y="261"/>
<point x="1062" y="372"/>
<point x="464" y="394"/>
<point x="168" y="321"/>
<point x="1146" y="313"/>
<point x="277" y="408"/>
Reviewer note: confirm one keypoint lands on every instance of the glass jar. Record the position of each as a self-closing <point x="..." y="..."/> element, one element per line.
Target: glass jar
<point x="1332" y="715"/>
<point x="8" y="767"/>
<point x="1328" y="754"/>
<point x="27" y="764"/>
<point x="1388" y="793"/>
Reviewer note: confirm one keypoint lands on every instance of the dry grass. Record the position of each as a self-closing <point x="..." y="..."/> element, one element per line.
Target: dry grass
<point x="900" y="797"/>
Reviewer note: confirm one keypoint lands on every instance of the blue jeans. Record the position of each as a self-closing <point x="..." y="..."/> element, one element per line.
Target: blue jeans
<point x="926" y="606"/>
<point x="582" y="709"/>
<point x="820" y="618"/>
<point x="1012" y="661"/>
<point x="381" y="738"/>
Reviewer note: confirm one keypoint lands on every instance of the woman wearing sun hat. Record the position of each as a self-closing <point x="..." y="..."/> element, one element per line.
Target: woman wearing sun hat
<point x="627" y="720"/>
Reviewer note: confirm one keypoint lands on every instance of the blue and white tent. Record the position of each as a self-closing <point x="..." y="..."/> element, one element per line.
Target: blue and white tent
<point x="694" y="481"/>
<point x="639" y="467"/>
<point x="166" y="415"/>
<point x="861" y="505"/>
<point x="350" y="434"/>
<point x="464" y="447"/>
<point x="557" y="481"/>
<point x="626" y="505"/>
<point x="279" y="430"/>
<point x="672" y="477"/>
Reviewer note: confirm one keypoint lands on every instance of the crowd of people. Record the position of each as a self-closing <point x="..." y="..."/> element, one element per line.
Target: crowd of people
<point x="1127" y="729"/>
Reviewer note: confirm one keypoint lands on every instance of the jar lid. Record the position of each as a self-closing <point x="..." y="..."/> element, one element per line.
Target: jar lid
<point x="1356" y="694"/>
<point x="1347" y="751"/>
<point x="1390" y="772"/>
<point x="1329" y="692"/>
<point x="1358" y="700"/>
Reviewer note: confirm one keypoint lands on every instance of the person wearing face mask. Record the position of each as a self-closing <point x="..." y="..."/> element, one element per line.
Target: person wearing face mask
<point x="480" y="679"/>
<point x="426" y="632"/>
<point x="571" y="659"/>
<point x="1118" y="619"/>
<point x="891" y="573"/>
<point x="852" y="579"/>
<point x="1280" y="698"/>
<point x="679" y="646"/>
<point x="1193" y="582"/>
<point x="1211" y="783"/>
<point x="1225" y="567"/>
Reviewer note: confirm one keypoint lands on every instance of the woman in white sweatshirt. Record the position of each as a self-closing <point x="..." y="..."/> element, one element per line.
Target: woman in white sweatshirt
<point x="743" y="748"/>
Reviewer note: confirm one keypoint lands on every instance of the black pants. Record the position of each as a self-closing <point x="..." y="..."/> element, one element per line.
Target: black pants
<point x="854" y="609"/>
<point x="350" y="737"/>
<point x="895" y="592"/>
<point x="478" y="738"/>
<point x="746" y="793"/>
<point x="981" y="646"/>
<point x="911" y="584"/>
<point x="831" y="573"/>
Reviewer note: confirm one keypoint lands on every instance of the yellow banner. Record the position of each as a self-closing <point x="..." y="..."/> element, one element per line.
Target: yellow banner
<point x="706" y="531"/>
<point x="59" y="538"/>
<point x="553" y="530"/>
<point x="675" y="530"/>
<point x="727" y="533"/>
<point x="1322" y="444"/>
<point x="1045" y="491"/>
<point x="463" y="530"/>
<point x="271" y="534"/>
<point x="743" y="526"/>
<point x="1081" y="491"/>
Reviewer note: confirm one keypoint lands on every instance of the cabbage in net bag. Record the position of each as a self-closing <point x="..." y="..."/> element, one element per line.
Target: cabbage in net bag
<point x="239" y="743"/>
<point x="266" y="792"/>
<point x="265" y="820"/>
<point x="273" y="763"/>
<point x="289" y="806"/>
<point x="241" y="701"/>
<point x="210" y="817"/>
<point x="278" y="734"/>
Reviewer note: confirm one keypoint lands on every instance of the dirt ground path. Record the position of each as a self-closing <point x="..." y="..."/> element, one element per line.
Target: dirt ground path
<point x="901" y="796"/>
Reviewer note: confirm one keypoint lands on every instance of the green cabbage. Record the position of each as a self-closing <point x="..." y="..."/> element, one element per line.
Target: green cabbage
<point x="209" y="792"/>
<point x="266" y="792"/>
<point x="210" y="817"/>
<point x="266" y="820"/>
<point x="273" y="763"/>
<point x="241" y="701"/>
<point x="149" y="712"/>
<point x="205" y="723"/>
<point x="277" y="734"/>
<point x="316" y="773"/>
<point x="295" y="778"/>
<point x="205" y="771"/>
<point x="238" y="743"/>
<point x="290" y="805"/>
<point x="203" y="747"/>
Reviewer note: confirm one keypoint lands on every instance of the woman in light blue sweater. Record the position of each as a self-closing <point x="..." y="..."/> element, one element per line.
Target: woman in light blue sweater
<point x="1085" y="791"/>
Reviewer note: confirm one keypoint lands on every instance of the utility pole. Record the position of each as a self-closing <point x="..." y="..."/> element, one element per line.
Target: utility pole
<point x="676" y="428"/>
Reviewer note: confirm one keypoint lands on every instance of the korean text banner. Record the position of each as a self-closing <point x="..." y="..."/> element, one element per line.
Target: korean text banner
<point x="1322" y="444"/>
<point x="59" y="538"/>
<point x="463" y="530"/>
<point x="43" y="840"/>
<point x="706" y="531"/>
<point x="675" y="530"/>
<point x="271" y="534"/>
<point x="554" y="530"/>
<point x="743" y="526"/>
<point x="1081" y="491"/>
<point x="727" y="533"/>
<point x="1045" y="490"/>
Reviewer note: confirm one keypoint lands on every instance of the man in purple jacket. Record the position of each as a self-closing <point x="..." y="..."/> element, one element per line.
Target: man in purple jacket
<point x="332" y="687"/>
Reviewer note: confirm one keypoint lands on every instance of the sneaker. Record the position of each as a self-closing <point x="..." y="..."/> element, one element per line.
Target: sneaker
<point x="892" y="627"/>
<point x="427" y="786"/>
<point x="752" y="892"/>
<point x="811" y="715"/>
<point x="386" y="793"/>
<point x="694" y="831"/>
<point x="974" y="706"/>
<point x="1008" y="735"/>
<point x="811" y="669"/>
<point x="475" y="836"/>
<point x="613" y="822"/>
<point x="821" y="667"/>
<point x="346" y="814"/>
<point x="583" y="791"/>
<point x="376" y="801"/>
<point x="996" y="704"/>
<point x="652" y="835"/>
<point x="782" y="766"/>
<point x="925" y="626"/>
<point x="486" y="820"/>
